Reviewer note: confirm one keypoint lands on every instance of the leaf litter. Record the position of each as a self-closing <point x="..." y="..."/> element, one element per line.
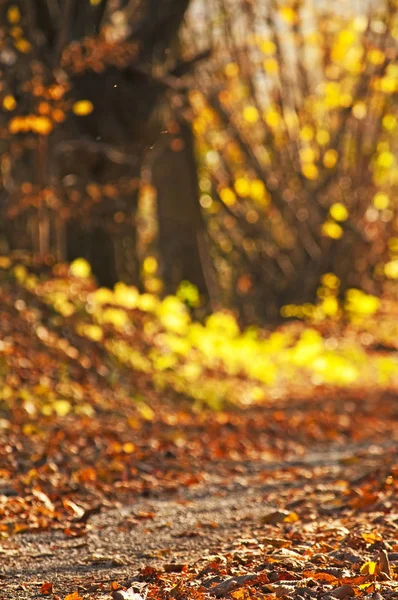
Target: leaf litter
<point x="114" y="486"/>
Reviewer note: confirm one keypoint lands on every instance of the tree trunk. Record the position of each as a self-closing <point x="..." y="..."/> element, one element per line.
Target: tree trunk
<point x="182" y="233"/>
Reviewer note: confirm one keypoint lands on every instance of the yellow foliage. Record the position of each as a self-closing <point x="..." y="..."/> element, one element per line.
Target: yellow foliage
<point x="125" y="295"/>
<point x="272" y="117"/>
<point x="251" y="114"/>
<point x="223" y="323"/>
<point x="330" y="306"/>
<point x="42" y="125"/>
<point x="83" y="108"/>
<point x="271" y="66"/>
<point x="307" y="155"/>
<point x="148" y="302"/>
<point x="339" y="212"/>
<point x="381" y="201"/>
<point x="390" y="122"/>
<point x="307" y="133"/>
<point x="376" y="56"/>
<point x="22" y="45"/>
<point x="369" y="568"/>
<point x="150" y="265"/>
<point x="330" y="280"/>
<point x="62" y="407"/>
<point x="9" y="103"/>
<point x="189" y="294"/>
<point x="80" y="268"/>
<point x="309" y="346"/>
<point x="257" y="189"/>
<point x="231" y="70"/>
<point x="288" y="14"/>
<point x="360" y="304"/>
<point x="310" y="171"/>
<point x="101" y="296"/>
<point x="335" y="369"/>
<point x="116" y="316"/>
<point x="332" y="230"/>
<point x="330" y="158"/>
<point x="359" y="110"/>
<point x="393" y="245"/>
<point x="173" y="314"/>
<point x="391" y="269"/>
<point x="268" y="47"/>
<point x="386" y="160"/>
<point x="228" y="196"/>
<point x="93" y="332"/>
<point x="242" y="187"/>
<point x="13" y="14"/>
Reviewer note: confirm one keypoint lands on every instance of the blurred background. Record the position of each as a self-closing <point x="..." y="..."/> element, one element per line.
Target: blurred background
<point x="236" y="152"/>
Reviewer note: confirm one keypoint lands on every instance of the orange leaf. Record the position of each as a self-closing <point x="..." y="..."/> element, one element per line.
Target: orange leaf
<point x="46" y="589"/>
<point x="74" y="596"/>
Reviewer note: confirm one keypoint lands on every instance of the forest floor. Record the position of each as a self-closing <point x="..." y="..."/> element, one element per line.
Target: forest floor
<point x="297" y="501"/>
<point x="114" y="484"/>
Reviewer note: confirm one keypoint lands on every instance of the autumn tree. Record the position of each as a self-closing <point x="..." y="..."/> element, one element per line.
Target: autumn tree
<point x="87" y="85"/>
<point x="296" y="118"/>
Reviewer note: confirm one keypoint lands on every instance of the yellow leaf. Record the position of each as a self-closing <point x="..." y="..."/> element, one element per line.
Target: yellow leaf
<point x="288" y="14"/>
<point x="338" y="212"/>
<point x="5" y="262"/>
<point x="371" y="537"/>
<point x="391" y="269"/>
<point x="62" y="407"/>
<point x="323" y="137"/>
<point x="271" y="65"/>
<point x="74" y="596"/>
<point x="330" y="158"/>
<point x="389" y="122"/>
<point x="291" y="518"/>
<point x="42" y="125"/>
<point x="307" y="133"/>
<point x="393" y="244"/>
<point x="359" y="110"/>
<point x="231" y="70"/>
<point x="272" y="117"/>
<point x="83" y="108"/>
<point x="150" y="265"/>
<point x="9" y="103"/>
<point x="242" y="187"/>
<point x="80" y="268"/>
<point x="228" y="196"/>
<point x="381" y="201"/>
<point x="369" y="568"/>
<point x="330" y="306"/>
<point x="146" y="411"/>
<point x="307" y="155"/>
<point x="268" y="47"/>
<point x="386" y="160"/>
<point x="13" y="15"/>
<point x="332" y="230"/>
<point x="250" y="114"/>
<point x="376" y="56"/>
<point x="310" y="171"/>
<point x="22" y="45"/>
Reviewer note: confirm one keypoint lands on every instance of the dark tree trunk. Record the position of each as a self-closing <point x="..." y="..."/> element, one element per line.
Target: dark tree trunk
<point x="182" y="233"/>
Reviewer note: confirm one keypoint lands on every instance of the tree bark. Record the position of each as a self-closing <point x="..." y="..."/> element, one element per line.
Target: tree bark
<point x="182" y="233"/>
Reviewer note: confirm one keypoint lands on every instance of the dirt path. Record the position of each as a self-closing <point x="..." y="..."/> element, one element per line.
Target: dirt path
<point x="246" y="515"/>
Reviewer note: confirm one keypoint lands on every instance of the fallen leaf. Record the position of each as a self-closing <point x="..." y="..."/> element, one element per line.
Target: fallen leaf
<point x="279" y="516"/>
<point x="344" y="591"/>
<point x="46" y="589"/>
<point x="73" y="596"/>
